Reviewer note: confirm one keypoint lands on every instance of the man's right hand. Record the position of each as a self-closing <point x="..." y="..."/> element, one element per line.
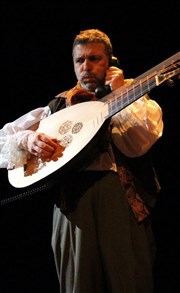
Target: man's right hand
<point x="40" y="144"/>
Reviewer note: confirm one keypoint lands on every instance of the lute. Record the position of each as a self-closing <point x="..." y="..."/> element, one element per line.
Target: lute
<point x="78" y="127"/>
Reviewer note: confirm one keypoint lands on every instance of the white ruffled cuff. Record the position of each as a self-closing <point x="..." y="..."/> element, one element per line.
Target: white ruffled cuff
<point x="12" y="156"/>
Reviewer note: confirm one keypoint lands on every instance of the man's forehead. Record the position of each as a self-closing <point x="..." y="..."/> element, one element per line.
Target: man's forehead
<point x="89" y="49"/>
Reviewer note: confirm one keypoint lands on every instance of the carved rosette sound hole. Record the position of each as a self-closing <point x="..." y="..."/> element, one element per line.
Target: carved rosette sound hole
<point x="77" y="127"/>
<point x="65" y="127"/>
<point x="66" y="140"/>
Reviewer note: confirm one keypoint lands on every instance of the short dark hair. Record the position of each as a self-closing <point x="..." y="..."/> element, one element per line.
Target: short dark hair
<point x="94" y="36"/>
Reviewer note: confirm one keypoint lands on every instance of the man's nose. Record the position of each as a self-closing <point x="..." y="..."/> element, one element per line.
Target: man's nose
<point x="87" y="65"/>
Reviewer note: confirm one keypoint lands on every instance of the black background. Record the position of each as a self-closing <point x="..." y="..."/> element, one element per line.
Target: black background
<point x="36" y="64"/>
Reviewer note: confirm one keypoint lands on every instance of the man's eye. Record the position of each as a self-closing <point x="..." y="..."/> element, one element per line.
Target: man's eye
<point x="94" y="58"/>
<point x="80" y="61"/>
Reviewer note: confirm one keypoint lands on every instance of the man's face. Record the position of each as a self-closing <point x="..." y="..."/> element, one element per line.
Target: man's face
<point x="90" y="65"/>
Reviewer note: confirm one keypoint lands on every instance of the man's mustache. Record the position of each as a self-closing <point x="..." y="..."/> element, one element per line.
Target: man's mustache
<point x="88" y="75"/>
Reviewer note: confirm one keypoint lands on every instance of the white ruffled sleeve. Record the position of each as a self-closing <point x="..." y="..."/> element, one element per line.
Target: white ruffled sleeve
<point x="137" y="127"/>
<point x="11" y="155"/>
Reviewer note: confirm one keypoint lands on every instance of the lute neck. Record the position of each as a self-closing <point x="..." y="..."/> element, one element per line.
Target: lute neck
<point x="143" y="84"/>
